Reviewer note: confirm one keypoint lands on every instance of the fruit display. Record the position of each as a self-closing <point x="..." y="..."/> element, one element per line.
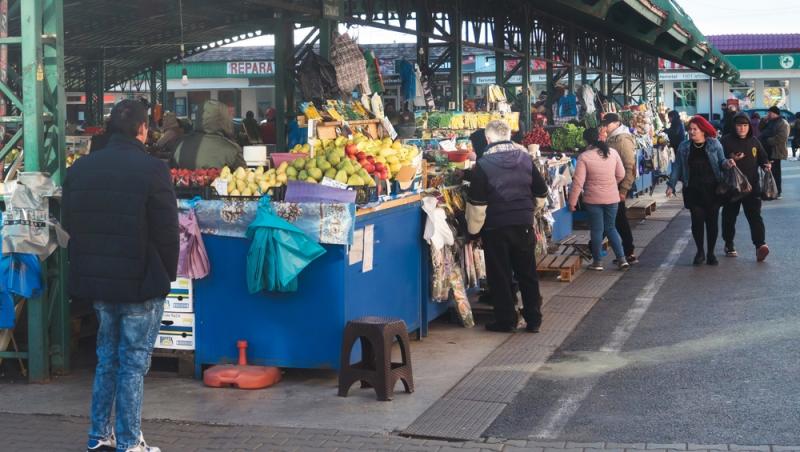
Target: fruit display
<point x="464" y="121"/>
<point x="193" y="178"/>
<point x="301" y="149"/>
<point x="252" y="182"/>
<point x="537" y="136"/>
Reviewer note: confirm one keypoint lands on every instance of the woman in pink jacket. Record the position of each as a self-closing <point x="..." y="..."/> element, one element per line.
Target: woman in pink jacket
<point x="597" y="174"/>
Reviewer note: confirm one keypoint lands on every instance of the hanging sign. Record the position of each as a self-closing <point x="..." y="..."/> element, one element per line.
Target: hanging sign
<point x="331" y="9"/>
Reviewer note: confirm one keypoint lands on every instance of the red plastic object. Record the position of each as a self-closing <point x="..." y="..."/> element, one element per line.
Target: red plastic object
<point x="458" y="156"/>
<point x="242" y="375"/>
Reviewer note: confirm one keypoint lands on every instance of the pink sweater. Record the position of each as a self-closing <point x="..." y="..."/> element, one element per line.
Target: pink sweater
<point x="597" y="178"/>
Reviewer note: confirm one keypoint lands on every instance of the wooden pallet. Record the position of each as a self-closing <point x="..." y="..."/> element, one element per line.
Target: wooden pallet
<point x="641" y="209"/>
<point x="565" y="265"/>
<point x="578" y="244"/>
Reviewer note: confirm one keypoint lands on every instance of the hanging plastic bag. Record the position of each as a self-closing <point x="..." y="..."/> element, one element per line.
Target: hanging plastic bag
<point x="7" y="314"/>
<point x="193" y="258"/>
<point x="737" y="183"/>
<point x="769" y="189"/>
<point x="21" y="274"/>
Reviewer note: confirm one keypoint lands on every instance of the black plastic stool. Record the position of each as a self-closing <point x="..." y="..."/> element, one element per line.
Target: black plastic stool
<point x="376" y="368"/>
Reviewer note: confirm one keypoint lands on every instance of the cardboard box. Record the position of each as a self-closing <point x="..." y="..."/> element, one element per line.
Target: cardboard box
<point x="180" y="298"/>
<point x="177" y="331"/>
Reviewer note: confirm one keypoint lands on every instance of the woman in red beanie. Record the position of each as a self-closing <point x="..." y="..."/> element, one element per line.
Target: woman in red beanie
<point x="698" y="165"/>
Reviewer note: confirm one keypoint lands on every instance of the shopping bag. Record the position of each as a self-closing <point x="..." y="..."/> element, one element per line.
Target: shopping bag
<point x="193" y="258"/>
<point x="769" y="189"/>
<point x="735" y="185"/>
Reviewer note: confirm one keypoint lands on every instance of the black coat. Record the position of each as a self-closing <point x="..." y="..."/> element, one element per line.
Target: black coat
<point x="121" y="213"/>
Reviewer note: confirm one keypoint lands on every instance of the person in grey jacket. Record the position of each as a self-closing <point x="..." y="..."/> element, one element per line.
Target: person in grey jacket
<point x="775" y="138"/>
<point x="699" y="162"/>
<point x="620" y="139"/>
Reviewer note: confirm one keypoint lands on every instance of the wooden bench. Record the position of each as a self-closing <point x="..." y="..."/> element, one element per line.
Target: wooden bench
<point x="566" y="266"/>
<point x="641" y="209"/>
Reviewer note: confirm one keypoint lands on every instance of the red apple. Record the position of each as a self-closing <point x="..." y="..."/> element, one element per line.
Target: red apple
<point x="371" y="159"/>
<point x="379" y="166"/>
<point x="351" y="149"/>
<point x="369" y="167"/>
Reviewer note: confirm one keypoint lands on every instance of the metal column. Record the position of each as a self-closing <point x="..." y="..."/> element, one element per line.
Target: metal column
<point x="456" y="53"/>
<point x="53" y="159"/>
<point x="526" y="74"/>
<point x="284" y="78"/>
<point x="498" y="40"/>
<point x="162" y="95"/>
<point x="326" y="29"/>
<point x="94" y="90"/>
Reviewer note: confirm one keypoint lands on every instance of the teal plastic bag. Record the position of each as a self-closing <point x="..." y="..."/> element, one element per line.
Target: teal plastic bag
<point x="20" y="274"/>
<point x="278" y="253"/>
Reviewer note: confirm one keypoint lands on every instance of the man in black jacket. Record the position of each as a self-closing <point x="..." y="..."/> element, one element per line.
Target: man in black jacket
<point x="502" y="199"/>
<point x="749" y="155"/>
<point x="121" y="213"/>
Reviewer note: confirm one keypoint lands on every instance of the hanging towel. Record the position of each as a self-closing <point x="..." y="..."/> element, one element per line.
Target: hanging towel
<point x="193" y="259"/>
<point x="278" y="253"/>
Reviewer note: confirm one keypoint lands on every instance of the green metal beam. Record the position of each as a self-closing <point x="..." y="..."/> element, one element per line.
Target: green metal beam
<point x="526" y="73"/>
<point x="284" y="79"/>
<point x="33" y="109"/>
<point x="53" y="155"/>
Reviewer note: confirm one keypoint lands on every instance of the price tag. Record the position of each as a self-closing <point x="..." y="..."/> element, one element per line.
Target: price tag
<point x="221" y="186"/>
<point x="448" y="145"/>
<point x="328" y="182"/>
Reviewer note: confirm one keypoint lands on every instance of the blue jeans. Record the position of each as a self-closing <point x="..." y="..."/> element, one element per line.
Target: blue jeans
<point x="125" y="343"/>
<point x="602" y="218"/>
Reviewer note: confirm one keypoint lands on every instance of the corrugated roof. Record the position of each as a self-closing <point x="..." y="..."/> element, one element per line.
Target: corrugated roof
<point x="756" y="43"/>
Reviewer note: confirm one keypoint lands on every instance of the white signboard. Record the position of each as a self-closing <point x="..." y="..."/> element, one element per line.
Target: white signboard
<point x="251" y="67"/>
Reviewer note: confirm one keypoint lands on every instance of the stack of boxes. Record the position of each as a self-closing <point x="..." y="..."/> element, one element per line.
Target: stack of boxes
<point x="177" y="330"/>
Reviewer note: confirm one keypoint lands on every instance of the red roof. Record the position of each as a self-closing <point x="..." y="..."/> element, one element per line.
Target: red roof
<point x="762" y="43"/>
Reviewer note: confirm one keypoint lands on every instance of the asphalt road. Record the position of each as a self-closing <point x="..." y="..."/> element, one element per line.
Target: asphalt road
<point x="714" y="359"/>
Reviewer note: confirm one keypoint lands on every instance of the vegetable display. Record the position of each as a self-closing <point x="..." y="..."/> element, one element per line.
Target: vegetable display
<point x="537" y="136"/>
<point x="568" y="138"/>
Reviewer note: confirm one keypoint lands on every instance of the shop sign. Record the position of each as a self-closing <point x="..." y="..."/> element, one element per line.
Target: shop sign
<point x="786" y="61"/>
<point x="251" y="68"/>
<point x="678" y="76"/>
<point x="331" y="9"/>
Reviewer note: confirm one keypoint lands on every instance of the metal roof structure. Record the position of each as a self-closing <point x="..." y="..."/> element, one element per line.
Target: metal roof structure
<point x="756" y="43"/>
<point x="130" y="36"/>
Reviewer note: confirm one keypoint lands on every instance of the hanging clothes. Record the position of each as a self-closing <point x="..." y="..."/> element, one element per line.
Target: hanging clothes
<point x="586" y="93"/>
<point x="278" y="253"/>
<point x="408" y="79"/>
<point x="568" y="105"/>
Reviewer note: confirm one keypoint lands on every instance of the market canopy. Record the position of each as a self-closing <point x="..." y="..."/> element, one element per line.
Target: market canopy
<point x="127" y="37"/>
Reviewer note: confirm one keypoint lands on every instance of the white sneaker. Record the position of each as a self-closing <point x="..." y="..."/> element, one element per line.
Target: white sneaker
<point x="142" y="446"/>
<point x="105" y="444"/>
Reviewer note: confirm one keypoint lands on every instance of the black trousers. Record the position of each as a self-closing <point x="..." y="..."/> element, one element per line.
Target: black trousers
<point x="705" y="219"/>
<point x="624" y="229"/>
<point x="510" y="253"/>
<point x="776" y="173"/>
<point x="752" y="211"/>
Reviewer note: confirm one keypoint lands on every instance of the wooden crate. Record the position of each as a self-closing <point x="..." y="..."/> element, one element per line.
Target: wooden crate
<point x="641" y="209"/>
<point x="566" y="266"/>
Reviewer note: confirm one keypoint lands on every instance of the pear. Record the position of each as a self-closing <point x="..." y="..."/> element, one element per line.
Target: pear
<point x="231" y="188"/>
<point x="259" y="170"/>
<point x="251" y="177"/>
<point x="324" y="165"/>
<point x="299" y="163"/>
<point x="240" y="173"/>
<point x="355" y="181"/>
<point x="311" y="180"/>
<point x="302" y="175"/>
<point x="281" y="179"/>
<point x="225" y="171"/>
<point x="283" y="167"/>
<point x="330" y="173"/>
<point x="370" y="182"/>
<point x="311" y="163"/>
<point x="315" y="173"/>
<point x="235" y="193"/>
<point x="263" y="187"/>
<point x="341" y="176"/>
<point x="362" y="173"/>
<point x="349" y="168"/>
<point x="241" y="184"/>
<point x="291" y="171"/>
<point x="253" y="188"/>
<point x="247" y="192"/>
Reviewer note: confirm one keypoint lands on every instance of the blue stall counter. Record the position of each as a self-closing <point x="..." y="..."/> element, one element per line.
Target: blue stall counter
<point x="380" y="275"/>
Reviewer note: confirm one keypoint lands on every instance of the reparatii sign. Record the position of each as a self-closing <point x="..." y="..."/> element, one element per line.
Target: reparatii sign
<point x="251" y="67"/>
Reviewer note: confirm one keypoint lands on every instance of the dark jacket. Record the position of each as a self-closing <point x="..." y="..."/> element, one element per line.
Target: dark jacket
<point x="775" y="138"/>
<point x="210" y="147"/>
<point x="121" y="213"/>
<point x="503" y="187"/>
<point x="754" y="156"/>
